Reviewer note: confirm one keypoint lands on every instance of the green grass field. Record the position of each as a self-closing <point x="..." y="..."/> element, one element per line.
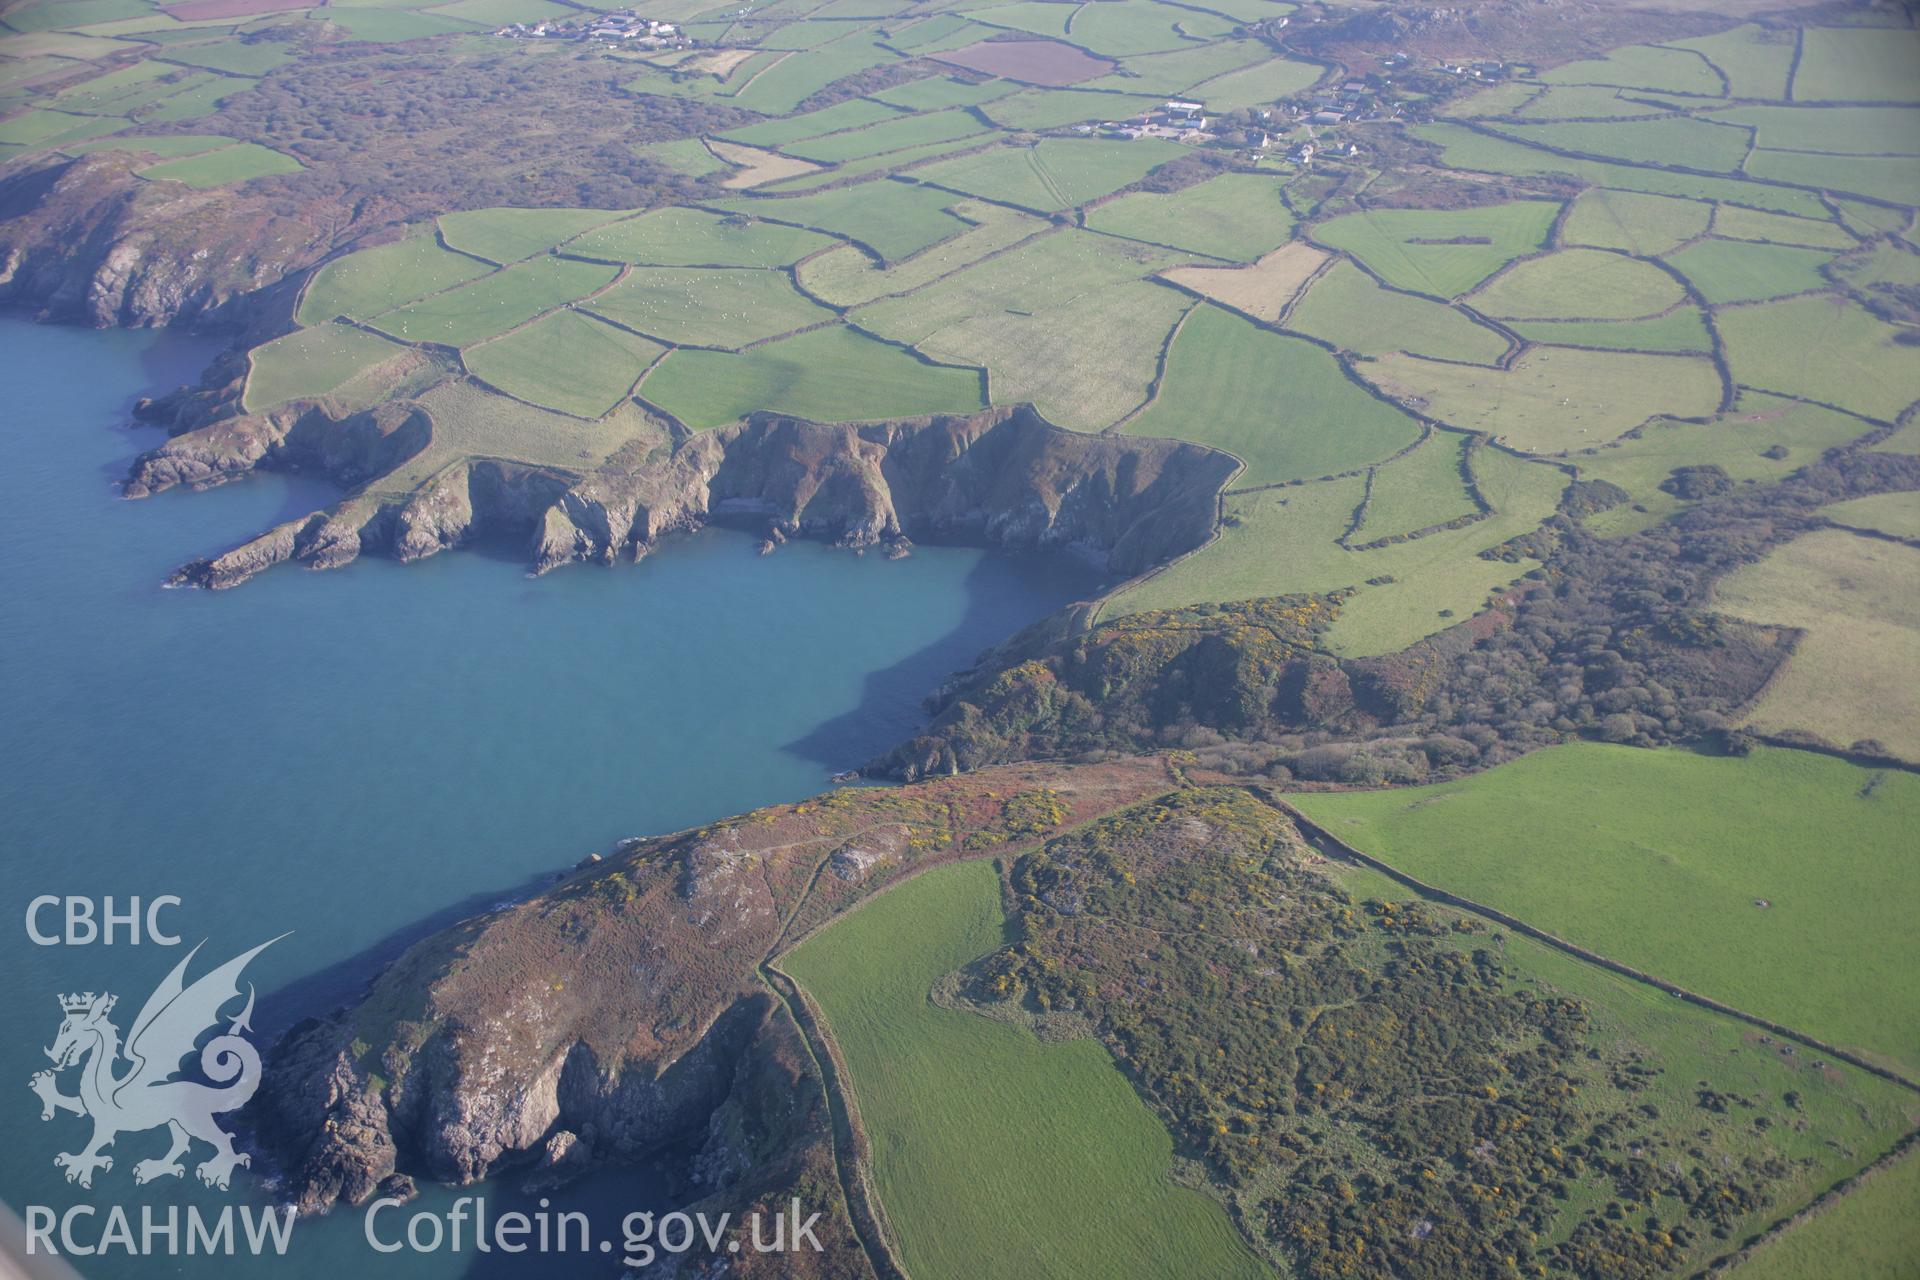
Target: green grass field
<point x="1524" y="100"/>
<point x="696" y="238"/>
<point x="1656" y="859"/>
<point x="1634" y="221"/>
<point x="887" y="164"/>
<point x="20" y="68"/>
<point x="49" y="15"/>
<point x="1734" y="223"/>
<point x="1737" y="442"/>
<point x="995" y="1154"/>
<point x="1415" y="492"/>
<point x="1741" y="271"/>
<point x="1865" y="131"/>
<point x="1179" y="70"/>
<point x="1754" y="59"/>
<point x="1084" y="363"/>
<point x="1643" y="67"/>
<point x="508" y="235"/>
<point x="1858" y="65"/>
<point x="497" y="12"/>
<point x="1823" y="349"/>
<point x="1872" y="1233"/>
<point x="1582" y="284"/>
<point x="223" y="167"/>
<point x="851" y="114"/>
<point x="1892" y="513"/>
<point x="1442" y="252"/>
<point x="848" y="277"/>
<point x="1237" y="216"/>
<point x="701" y="87"/>
<point x="941" y="33"/>
<point x="1853" y="597"/>
<point x="1048" y="271"/>
<point x="469" y="421"/>
<point x="787" y="83"/>
<point x="490" y="306"/>
<point x="1055" y="174"/>
<point x="121" y="92"/>
<point x="1257" y="85"/>
<point x="687" y="156"/>
<point x="888" y="135"/>
<point x="196" y="100"/>
<point x="804" y="34"/>
<point x="38" y="44"/>
<point x="894" y="219"/>
<point x="1282" y="541"/>
<point x="939" y="92"/>
<point x="708" y="307"/>
<point x="1041" y="19"/>
<point x="364" y="284"/>
<point x="568" y="362"/>
<point x="1280" y="404"/>
<point x="1882" y="264"/>
<point x="1682" y="330"/>
<point x="1345" y="307"/>
<point x="311" y="362"/>
<point x="1696" y="144"/>
<point x="1051" y="108"/>
<point x="238" y="56"/>
<point x="1553" y="398"/>
<point x="391" y="26"/>
<point x="1461" y="148"/>
<point x="1894" y="178"/>
<point x="830" y="375"/>
<point x="1120" y="28"/>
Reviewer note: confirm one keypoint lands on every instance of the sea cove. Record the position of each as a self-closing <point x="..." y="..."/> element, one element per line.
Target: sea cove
<point x="351" y="756"/>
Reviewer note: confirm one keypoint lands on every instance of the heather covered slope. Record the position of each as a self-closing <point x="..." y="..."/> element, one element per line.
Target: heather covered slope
<point x="1450" y="392"/>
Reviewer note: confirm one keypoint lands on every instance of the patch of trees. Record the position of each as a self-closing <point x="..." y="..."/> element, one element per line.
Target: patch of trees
<point x="1609" y="638"/>
<point x="441" y="132"/>
<point x="1707" y="480"/>
<point x="1371" y="1082"/>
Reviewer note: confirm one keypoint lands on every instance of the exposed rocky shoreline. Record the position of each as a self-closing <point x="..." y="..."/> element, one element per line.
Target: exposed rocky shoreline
<point x="1003" y="477"/>
<point x="626" y="1008"/>
<point x="87" y="242"/>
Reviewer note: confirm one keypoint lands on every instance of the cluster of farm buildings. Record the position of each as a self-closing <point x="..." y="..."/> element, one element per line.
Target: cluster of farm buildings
<point x="623" y="28"/>
<point x="1178" y="120"/>
<point x="1297" y="124"/>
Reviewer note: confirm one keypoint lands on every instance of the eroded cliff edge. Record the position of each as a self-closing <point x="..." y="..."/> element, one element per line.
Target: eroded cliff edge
<point x="1004" y="477"/>
<point x="85" y="241"/>
<point x="630" y="1006"/>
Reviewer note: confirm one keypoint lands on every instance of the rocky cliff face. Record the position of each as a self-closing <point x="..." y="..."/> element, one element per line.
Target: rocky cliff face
<point x="625" y="1008"/>
<point x="85" y="241"/>
<point x="1005" y="477"/>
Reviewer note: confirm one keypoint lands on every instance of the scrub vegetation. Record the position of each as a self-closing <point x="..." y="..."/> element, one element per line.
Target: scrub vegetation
<point x="1567" y="568"/>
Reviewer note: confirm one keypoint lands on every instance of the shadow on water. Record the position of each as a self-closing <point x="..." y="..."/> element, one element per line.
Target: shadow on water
<point x="1005" y="592"/>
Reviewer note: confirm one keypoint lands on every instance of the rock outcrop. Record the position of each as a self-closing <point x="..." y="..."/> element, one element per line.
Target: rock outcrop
<point x="624" y="1010"/>
<point x="86" y="241"/>
<point x="1004" y="477"/>
<point x="303" y="436"/>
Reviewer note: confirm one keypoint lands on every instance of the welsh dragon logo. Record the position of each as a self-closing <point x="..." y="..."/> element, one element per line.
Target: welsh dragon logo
<point x="145" y="1095"/>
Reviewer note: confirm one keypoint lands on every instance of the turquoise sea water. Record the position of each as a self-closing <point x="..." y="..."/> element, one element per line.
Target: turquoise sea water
<point x="347" y="755"/>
